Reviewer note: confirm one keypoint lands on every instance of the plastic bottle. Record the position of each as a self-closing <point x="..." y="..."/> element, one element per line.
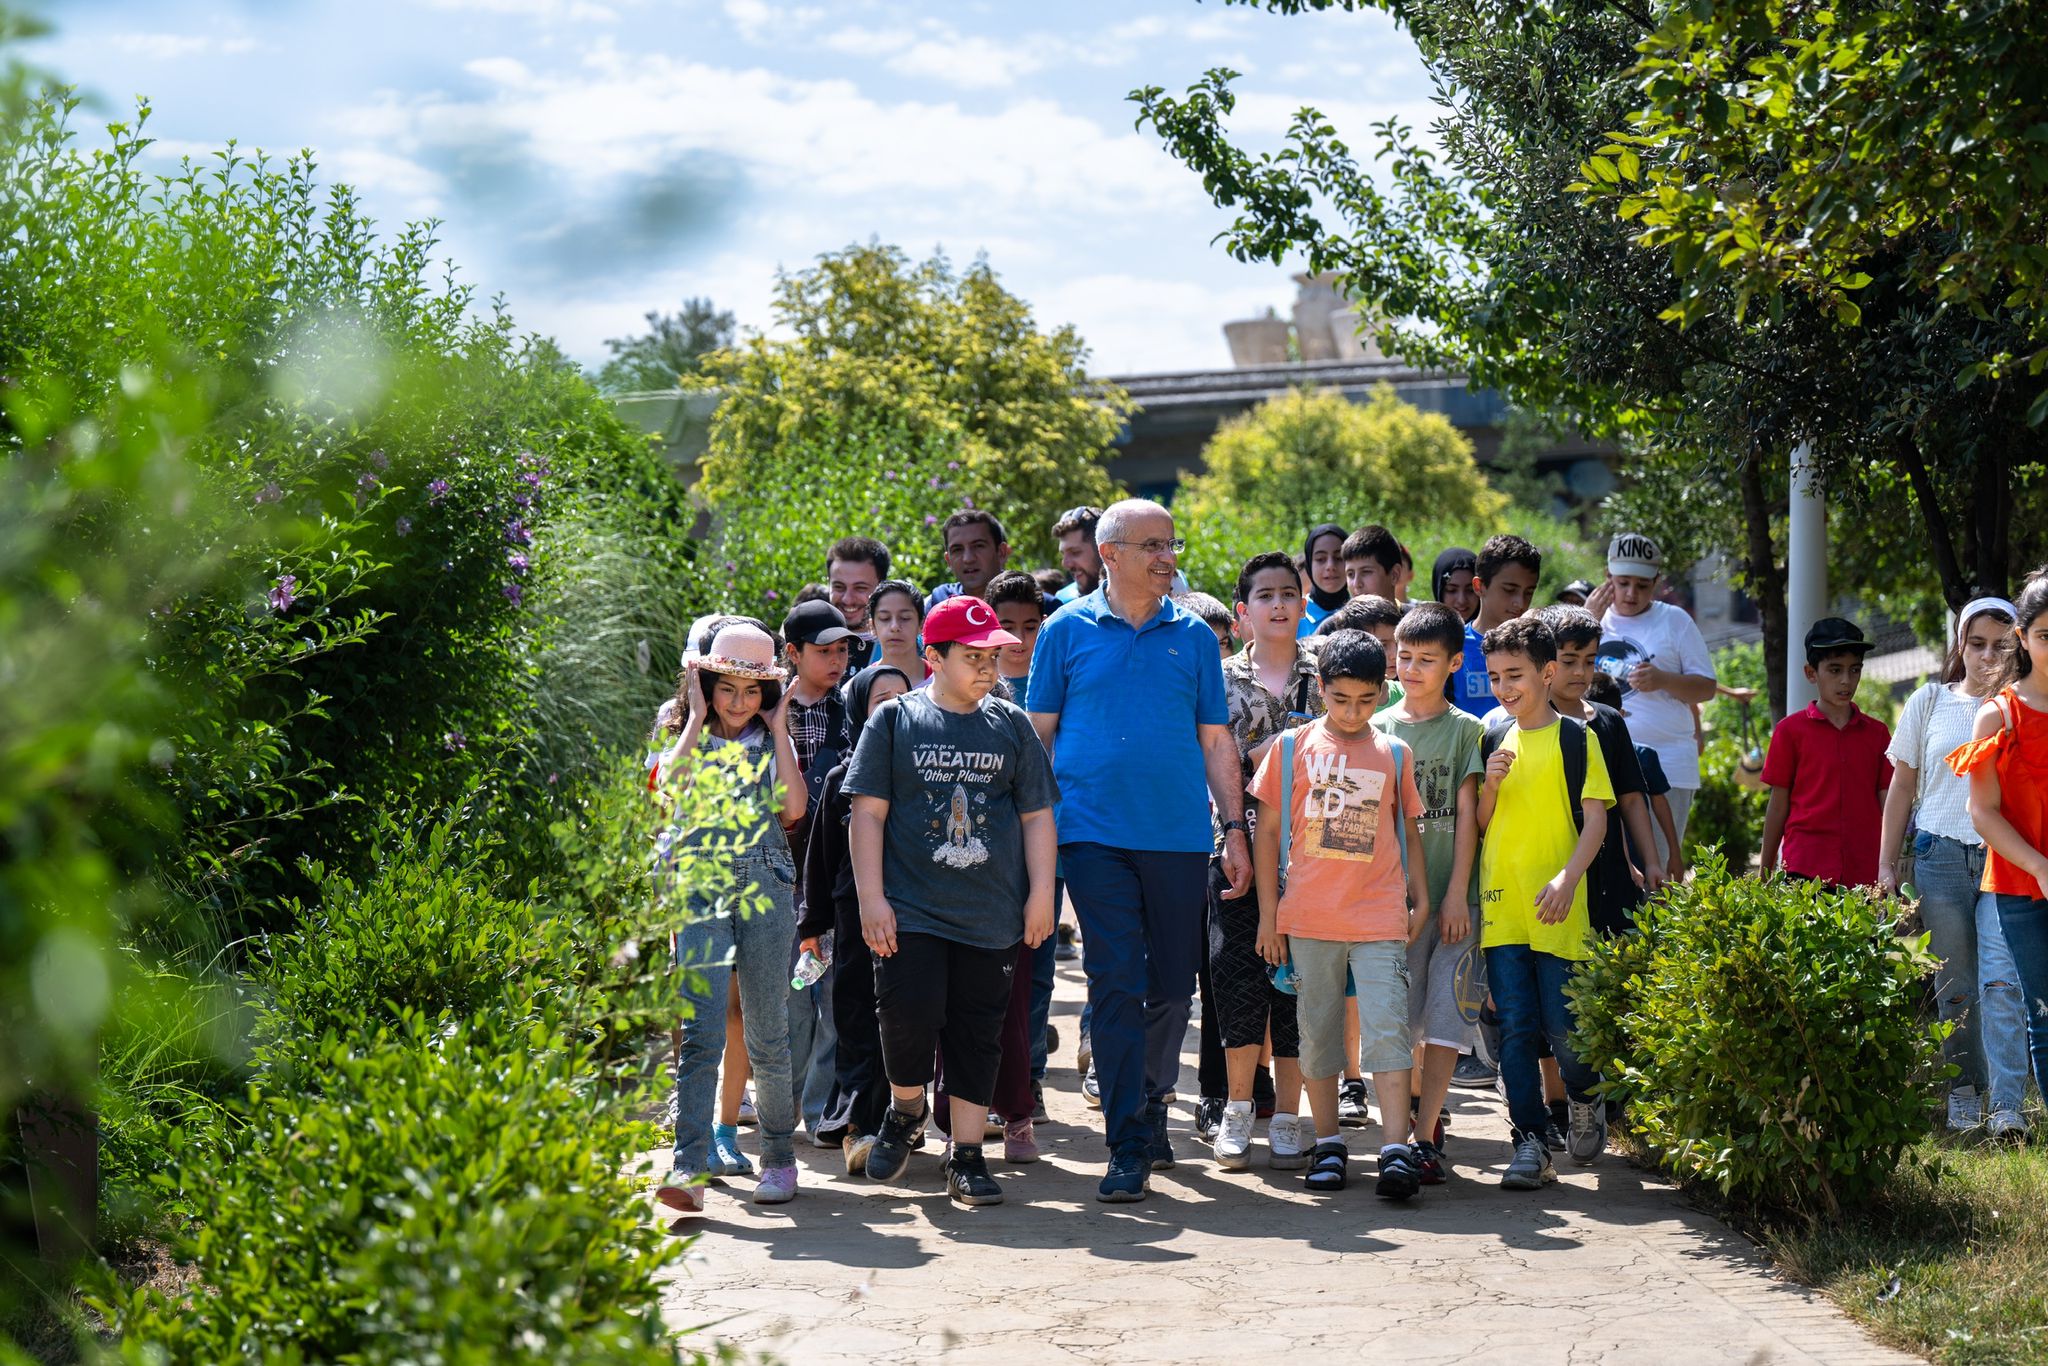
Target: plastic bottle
<point x="809" y="968"/>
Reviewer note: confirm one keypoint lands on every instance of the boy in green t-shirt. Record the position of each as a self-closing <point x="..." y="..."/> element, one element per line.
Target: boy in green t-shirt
<point x="1446" y="974"/>
<point x="1532" y="891"/>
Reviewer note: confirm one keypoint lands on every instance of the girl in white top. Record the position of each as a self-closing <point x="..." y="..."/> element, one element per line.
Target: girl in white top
<point x="1978" y="985"/>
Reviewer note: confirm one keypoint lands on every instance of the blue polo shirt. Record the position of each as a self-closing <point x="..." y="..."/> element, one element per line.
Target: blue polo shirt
<point x="1471" y="689"/>
<point x="1127" y="758"/>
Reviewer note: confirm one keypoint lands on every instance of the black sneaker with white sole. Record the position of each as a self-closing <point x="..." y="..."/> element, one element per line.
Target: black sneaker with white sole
<point x="901" y="1134"/>
<point x="967" y="1178"/>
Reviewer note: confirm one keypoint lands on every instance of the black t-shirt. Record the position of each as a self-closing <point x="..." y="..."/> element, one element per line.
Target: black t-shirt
<point x="1611" y="892"/>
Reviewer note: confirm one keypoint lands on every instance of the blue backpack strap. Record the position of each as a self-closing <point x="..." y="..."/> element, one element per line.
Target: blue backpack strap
<point x="1286" y="798"/>
<point x="1400" y="748"/>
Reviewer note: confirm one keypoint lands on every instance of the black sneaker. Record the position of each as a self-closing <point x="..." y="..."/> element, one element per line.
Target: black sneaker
<point x="1158" y="1148"/>
<point x="1560" y="1124"/>
<point x="1052" y="1037"/>
<point x="1429" y="1165"/>
<point x="1208" y="1118"/>
<point x="1399" y="1179"/>
<point x="901" y="1134"/>
<point x="1352" y="1110"/>
<point x="967" y="1178"/>
<point x="1038" y="1114"/>
<point x="1129" y="1176"/>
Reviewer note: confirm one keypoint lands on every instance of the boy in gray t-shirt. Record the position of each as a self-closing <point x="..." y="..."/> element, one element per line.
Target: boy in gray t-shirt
<point x="953" y="851"/>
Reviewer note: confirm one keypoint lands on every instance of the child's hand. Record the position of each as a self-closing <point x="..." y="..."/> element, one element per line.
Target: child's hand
<point x="878" y="927"/>
<point x="1674" y="871"/>
<point x="1272" y="943"/>
<point x="1497" y="765"/>
<point x="1554" y="902"/>
<point x="1650" y="878"/>
<point x="1418" y="921"/>
<point x="693" y="690"/>
<point x="1600" y="599"/>
<point x="809" y="945"/>
<point x="1888" y="879"/>
<point x="778" y="719"/>
<point x="1453" y="920"/>
<point x="1039" y="919"/>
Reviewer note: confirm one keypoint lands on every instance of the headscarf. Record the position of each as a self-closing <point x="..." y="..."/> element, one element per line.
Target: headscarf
<point x="1329" y="602"/>
<point x="1450" y="562"/>
<point x="858" y="689"/>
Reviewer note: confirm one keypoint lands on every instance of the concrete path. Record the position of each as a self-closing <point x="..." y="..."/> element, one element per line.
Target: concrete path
<point x="1606" y="1266"/>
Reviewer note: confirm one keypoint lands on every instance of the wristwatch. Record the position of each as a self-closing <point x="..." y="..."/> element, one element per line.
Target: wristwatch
<point x="1229" y="826"/>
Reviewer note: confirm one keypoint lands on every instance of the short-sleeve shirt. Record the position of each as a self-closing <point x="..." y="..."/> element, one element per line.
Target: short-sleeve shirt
<point x="1531" y="839"/>
<point x="1835" y="779"/>
<point x="1471" y="689"/>
<point x="1345" y="878"/>
<point x="1446" y="752"/>
<point x="1654" y="785"/>
<point x="957" y="784"/>
<point x="1127" y="757"/>
<point x="1933" y="725"/>
<point x="1669" y="638"/>
<point x="1256" y="715"/>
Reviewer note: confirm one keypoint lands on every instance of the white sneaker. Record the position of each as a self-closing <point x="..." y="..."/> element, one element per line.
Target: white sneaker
<point x="1284" y="1152"/>
<point x="1234" y="1136"/>
<point x="1965" y="1109"/>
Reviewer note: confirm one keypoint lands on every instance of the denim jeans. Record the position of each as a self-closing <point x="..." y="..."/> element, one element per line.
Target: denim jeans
<point x="721" y="948"/>
<point x="2001" y="1011"/>
<point x="1976" y="986"/>
<point x="1141" y="913"/>
<point x="2025" y="922"/>
<point x="1528" y="995"/>
<point x="1043" y="964"/>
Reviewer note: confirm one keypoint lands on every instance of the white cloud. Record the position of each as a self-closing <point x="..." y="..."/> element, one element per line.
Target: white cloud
<point x="1138" y="324"/>
<point x="870" y="42"/>
<point x="171" y="47"/>
<point x="758" y="21"/>
<point x="575" y="11"/>
<point x="499" y="70"/>
<point x="971" y="63"/>
<point x="410" y="188"/>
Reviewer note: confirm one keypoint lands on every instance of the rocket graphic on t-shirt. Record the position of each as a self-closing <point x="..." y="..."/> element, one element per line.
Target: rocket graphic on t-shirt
<point x="959" y="848"/>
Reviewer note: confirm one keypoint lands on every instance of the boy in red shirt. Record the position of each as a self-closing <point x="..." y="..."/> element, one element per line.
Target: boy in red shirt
<point x="1827" y="770"/>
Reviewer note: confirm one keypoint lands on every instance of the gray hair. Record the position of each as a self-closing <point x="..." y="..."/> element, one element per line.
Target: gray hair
<point x="1117" y="518"/>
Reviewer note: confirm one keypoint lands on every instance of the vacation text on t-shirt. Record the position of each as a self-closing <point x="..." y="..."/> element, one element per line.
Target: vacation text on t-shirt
<point x="1344" y="873"/>
<point x="957" y="785"/>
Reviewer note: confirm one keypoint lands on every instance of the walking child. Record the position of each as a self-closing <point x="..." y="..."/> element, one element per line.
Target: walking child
<point x="1337" y="806"/>
<point x="1827" y="770"/>
<point x="896" y="610"/>
<point x="733" y="698"/>
<point x="1323" y="562"/>
<point x="1543" y="804"/>
<point x="953" y="850"/>
<point x="1505" y="578"/>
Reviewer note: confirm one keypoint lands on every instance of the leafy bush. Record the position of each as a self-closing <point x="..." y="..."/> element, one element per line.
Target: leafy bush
<point x="453" y="1194"/>
<point x="1766" y="1037"/>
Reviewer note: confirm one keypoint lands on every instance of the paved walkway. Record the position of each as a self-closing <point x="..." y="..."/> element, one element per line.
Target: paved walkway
<point x="1606" y="1266"/>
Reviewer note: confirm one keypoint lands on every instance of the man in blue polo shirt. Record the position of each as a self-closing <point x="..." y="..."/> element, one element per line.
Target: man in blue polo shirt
<point x="1127" y="694"/>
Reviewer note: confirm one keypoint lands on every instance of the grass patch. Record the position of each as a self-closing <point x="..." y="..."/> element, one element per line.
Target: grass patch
<point x="1954" y="1267"/>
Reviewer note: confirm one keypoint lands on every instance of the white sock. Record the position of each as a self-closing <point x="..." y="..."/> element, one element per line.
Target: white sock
<point x="1239" y="1107"/>
<point x="1281" y="1117"/>
<point x="1336" y="1138"/>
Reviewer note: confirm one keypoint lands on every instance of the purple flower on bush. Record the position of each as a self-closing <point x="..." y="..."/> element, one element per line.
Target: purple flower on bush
<point x="513" y="592"/>
<point x="528" y="458"/>
<point x="731" y="568"/>
<point x="516" y="533"/>
<point x="931" y="519"/>
<point x="437" y="490"/>
<point x="773" y="595"/>
<point x="966" y="501"/>
<point x="520" y="564"/>
<point x="271" y="492"/>
<point x="952" y="464"/>
<point x="282" y="595"/>
<point x="531" y="478"/>
<point x="888" y="474"/>
<point x="366" y="481"/>
<point x="405" y="526"/>
<point x="380" y="461"/>
<point x="520" y="500"/>
<point x="454" y="740"/>
<point x="935" y="481"/>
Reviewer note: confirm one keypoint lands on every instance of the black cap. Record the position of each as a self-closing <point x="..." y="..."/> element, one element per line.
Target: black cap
<point x="1836" y="633"/>
<point x="816" y="622"/>
<point x="1582" y="587"/>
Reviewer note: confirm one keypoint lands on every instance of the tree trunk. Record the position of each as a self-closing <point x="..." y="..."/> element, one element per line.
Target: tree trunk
<point x="1763" y="577"/>
<point x="1991" y="527"/>
<point x="1956" y="577"/>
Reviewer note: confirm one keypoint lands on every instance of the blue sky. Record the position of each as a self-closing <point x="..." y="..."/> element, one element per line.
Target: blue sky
<point x="593" y="159"/>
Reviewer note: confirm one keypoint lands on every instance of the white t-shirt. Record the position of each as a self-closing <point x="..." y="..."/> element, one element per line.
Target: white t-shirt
<point x="1933" y="723"/>
<point x="1669" y="638"/>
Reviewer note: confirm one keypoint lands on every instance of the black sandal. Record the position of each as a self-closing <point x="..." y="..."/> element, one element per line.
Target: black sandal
<point x="1326" y="1167"/>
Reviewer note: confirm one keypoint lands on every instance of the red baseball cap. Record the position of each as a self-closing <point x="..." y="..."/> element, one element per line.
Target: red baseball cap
<point x="968" y="621"/>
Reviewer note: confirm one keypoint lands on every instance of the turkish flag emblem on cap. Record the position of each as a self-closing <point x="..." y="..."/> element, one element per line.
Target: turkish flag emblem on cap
<point x="967" y="621"/>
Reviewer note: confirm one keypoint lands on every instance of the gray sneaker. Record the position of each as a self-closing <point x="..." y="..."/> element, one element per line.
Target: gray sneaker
<point x="2008" y="1125"/>
<point x="1531" y="1168"/>
<point x="1588" y="1133"/>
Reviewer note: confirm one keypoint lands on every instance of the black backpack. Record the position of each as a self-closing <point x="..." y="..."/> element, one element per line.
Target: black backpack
<point x="1571" y="742"/>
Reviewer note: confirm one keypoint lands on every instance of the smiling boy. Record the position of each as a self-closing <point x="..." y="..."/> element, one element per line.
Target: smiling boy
<point x="1506" y="581"/>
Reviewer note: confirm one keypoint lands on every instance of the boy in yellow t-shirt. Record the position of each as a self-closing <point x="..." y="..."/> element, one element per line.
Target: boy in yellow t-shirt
<point x="1543" y="808"/>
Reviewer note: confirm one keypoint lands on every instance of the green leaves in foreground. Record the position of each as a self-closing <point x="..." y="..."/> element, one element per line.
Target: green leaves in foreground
<point x="1766" y="1036"/>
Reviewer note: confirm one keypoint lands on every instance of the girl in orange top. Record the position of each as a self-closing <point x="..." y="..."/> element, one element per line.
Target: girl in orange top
<point x="2007" y="763"/>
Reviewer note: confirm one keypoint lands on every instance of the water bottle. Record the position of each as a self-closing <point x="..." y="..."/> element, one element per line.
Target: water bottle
<point x="809" y="968"/>
<point x="1283" y="978"/>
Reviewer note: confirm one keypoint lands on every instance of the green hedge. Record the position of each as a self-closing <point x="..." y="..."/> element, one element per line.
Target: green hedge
<point x="1766" y="1037"/>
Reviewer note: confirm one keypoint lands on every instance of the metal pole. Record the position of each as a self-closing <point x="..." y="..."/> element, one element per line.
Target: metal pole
<point x="1806" y="571"/>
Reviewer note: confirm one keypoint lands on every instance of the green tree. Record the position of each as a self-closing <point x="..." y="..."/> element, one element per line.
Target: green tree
<point x="673" y="345"/>
<point x="950" y="359"/>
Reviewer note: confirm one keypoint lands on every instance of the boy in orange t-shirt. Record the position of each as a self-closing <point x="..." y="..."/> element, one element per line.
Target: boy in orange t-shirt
<point x="1356" y="894"/>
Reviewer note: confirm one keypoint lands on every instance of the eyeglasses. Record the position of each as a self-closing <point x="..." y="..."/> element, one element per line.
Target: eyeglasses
<point x="1157" y="548"/>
